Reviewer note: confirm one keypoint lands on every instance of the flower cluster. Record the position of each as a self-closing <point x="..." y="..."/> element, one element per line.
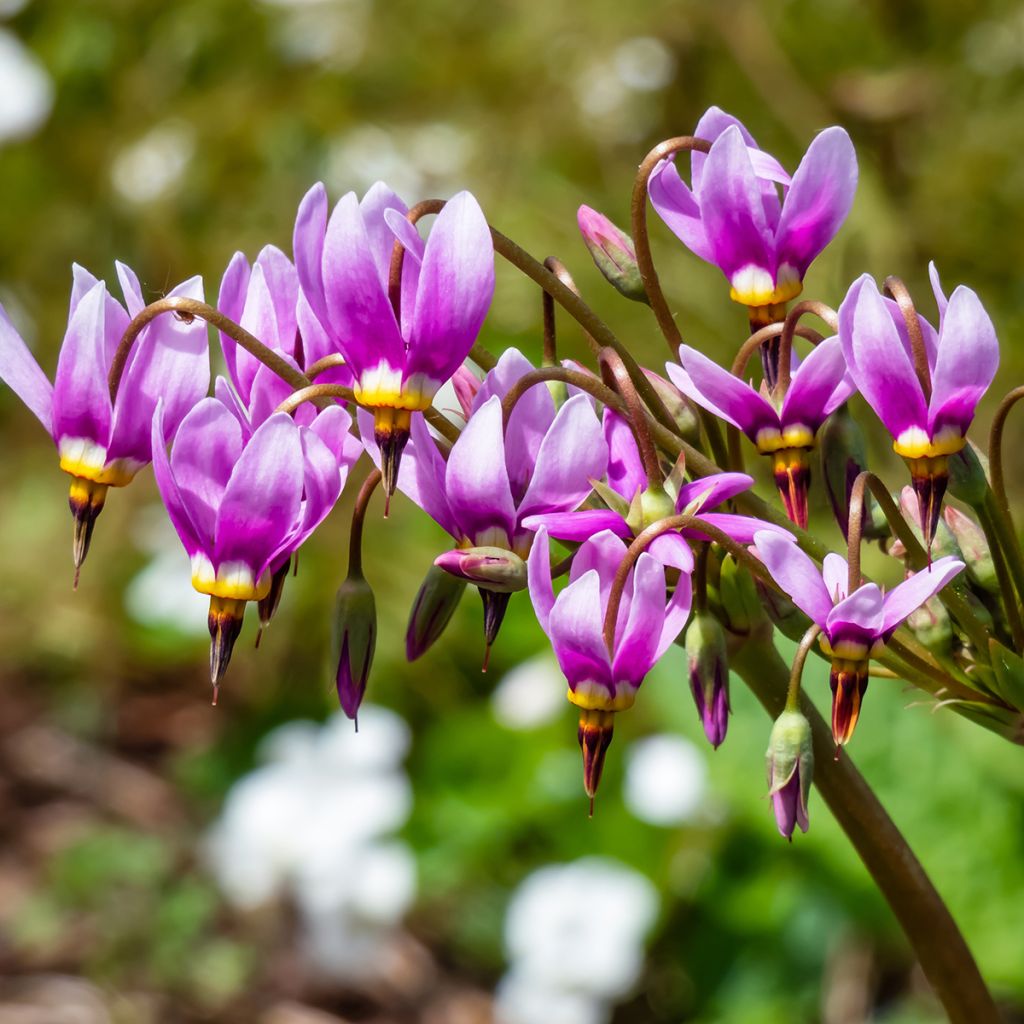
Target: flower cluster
<point x="618" y="481"/>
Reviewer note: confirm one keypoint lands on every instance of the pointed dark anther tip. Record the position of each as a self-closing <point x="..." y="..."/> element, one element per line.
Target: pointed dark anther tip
<point x="487" y="658"/>
<point x="355" y="722"/>
<point x="74" y="579"/>
<point x="216" y="695"/>
<point x="259" y="637"/>
<point x="590" y="812"/>
<point x="839" y="750"/>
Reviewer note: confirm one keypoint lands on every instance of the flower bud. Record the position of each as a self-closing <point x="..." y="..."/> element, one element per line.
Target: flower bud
<point x="492" y="568"/>
<point x="968" y="475"/>
<point x="709" y="674"/>
<point x="790" y="760"/>
<point x="973" y="547"/>
<point x="943" y="541"/>
<point x="931" y="625"/>
<point x="436" y="601"/>
<point x="353" y="638"/>
<point x="680" y="408"/>
<point x="613" y="252"/>
<point x="738" y="597"/>
<point x="843" y="458"/>
<point x="780" y="609"/>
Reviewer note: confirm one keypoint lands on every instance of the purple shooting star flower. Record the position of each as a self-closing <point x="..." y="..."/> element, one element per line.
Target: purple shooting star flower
<point x="855" y="626"/>
<point x="733" y="216"/>
<point x="627" y="495"/>
<point x="400" y="346"/>
<point x="241" y="504"/>
<point x="497" y="477"/>
<point x="103" y="444"/>
<point x="602" y="681"/>
<point x="928" y="421"/>
<point x="783" y="427"/>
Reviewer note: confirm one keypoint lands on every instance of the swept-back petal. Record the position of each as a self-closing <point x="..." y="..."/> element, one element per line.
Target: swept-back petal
<point x="308" y="247"/>
<point x="676" y="205"/>
<point x="859" y="613"/>
<point x="718" y="391"/>
<point x="578" y="526"/>
<point x="940" y="296"/>
<point x="575" y="629"/>
<point x="262" y="499"/>
<point x="538" y="579"/>
<point x="819" y="387"/>
<point x="572" y="453"/>
<point x="374" y="207"/>
<point x="231" y="302"/>
<point x="742" y="529"/>
<point x="878" y="362"/>
<point x="626" y="473"/>
<point x="81" y="401"/>
<point x="966" y="363"/>
<point x="835" y="572"/>
<point x="713" y="490"/>
<point x="795" y="573"/>
<point x="476" y="479"/>
<point x="456" y="284"/>
<point x="359" y="311"/>
<point x="636" y="642"/>
<point x="713" y="122"/>
<point x="21" y="373"/>
<point x="913" y="592"/>
<point x="818" y="200"/>
<point x="174" y="500"/>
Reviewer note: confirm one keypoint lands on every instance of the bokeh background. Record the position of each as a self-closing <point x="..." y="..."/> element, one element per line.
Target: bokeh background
<point x="162" y="861"/>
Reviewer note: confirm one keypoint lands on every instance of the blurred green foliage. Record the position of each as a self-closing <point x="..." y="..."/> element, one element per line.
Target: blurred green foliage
<point x="238" y="107"/>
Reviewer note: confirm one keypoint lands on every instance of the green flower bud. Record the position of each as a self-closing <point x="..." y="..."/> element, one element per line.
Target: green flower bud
<point x="709" y="674"/>
<point x="354" y="636"/>
<point x="435" y="604"/>
<point x="790" y="760"/>
<point x="974" y="548"/>
<point x="613" y="252"/>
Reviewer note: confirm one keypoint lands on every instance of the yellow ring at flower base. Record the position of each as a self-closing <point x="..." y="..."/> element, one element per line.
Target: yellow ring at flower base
<point x="595" y="697"/>
<point x="754" y="287"/>
<point x="795" y="436"/>
<point x="850" y="651"/>
<point x="233" y="581"/>
<point x="914" y="443"/>
<point x="87" y="460"/>
<point x="383" y="388"/>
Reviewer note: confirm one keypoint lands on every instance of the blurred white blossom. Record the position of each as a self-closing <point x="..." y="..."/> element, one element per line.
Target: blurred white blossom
<point x="666" y="779"/>
<point x="153" y="166"/>
<point x="531" y="694"/>
<point x="26" y="89"/>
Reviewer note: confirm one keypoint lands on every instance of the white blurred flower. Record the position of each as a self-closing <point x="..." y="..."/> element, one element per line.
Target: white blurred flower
<point x="519" y="1000"/>
<point x="529" y="695"/>
<point x="11" y="7"/>
<point x="328" y="32"/>
<point x="153" y="166"/>
<point x="26" y="89"/>
<point x="580" y="928"/>
<point x="644" y="63"/>
<point x="666" y="779"/>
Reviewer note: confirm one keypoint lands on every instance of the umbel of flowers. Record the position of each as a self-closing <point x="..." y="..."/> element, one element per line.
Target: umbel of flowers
<point x="603" y="491"/>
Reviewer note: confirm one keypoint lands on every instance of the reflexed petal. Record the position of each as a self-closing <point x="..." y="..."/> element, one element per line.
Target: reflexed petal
<point x="878" y="362"/>
<point x="334" y="427"/>
<point x="308" y="246"/>
<point x="913" y="592"/>
<point x="404" y="231"/>
<point x="718" y="391"/>
<point x="455" y="289"/>
<point x="283" y="282"/>
<point x="604" y="553"/>
<point x="714" y="121"/>
<point x="819" y="386"/>
<point x="269" y="390"/>
<point x="940" y="296"/>
<point x="207" y="447"/>
<point x="81" y="400"/>
<point x="262" y="499"/>
<point x="322" y="483"/>
<point x="861" y="612"/>
<point x="476" y="480"/>
<point x="818" y="200"/>
<point x="676" y="206"/>
<point x="21" y="373"/>
<point x="732" y="208"/>
<point x="742" y="529"/>
<point x="538" y="576"/>
<point x="317" y="343"/>
<point x="174" y="500"/>
<point x="511" y="365"/>
<point x="626" y="473"/>
<point x="572" y="453"/>
<point x="225" y="394"/>
<point x="636" y="641"/>
<point x="374" y="206"/>
<point x="836" y="574"/>
<point x="575" y="630"/>
<point x="672" y="549"/>
<point x="795" y="573"/>
<point x="967" y="361"/>
<point x="713" y="490"/>
<point x="578" y="526"/>
<point x="231" y="302"/>
<point x="359" y="311"/>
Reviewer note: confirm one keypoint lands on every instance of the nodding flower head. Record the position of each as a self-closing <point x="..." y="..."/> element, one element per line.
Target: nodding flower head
<point x="104" y="443"/>
<point x="243" y="504"/>
<point x="855" y="625"/>
<point x="783" y="427"/>
<point x="604" y="681"/>
<point x="732" y="215"/>
<point x="403" y="342"/>
<point x="927" y="399"/>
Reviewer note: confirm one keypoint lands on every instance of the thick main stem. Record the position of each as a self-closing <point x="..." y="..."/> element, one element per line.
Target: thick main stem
<point x="940" y="948"/>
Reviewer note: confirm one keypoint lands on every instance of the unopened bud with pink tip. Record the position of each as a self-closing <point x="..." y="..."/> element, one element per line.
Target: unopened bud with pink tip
<point x="613" y="252"/>
<point x="790" y="759"/>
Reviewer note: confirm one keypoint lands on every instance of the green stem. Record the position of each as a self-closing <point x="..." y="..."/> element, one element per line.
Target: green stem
<point x="989" y="519"/>
<point x="797" y="671"/>
<point x="355" y="537"/>
<point x="940" y="948"/>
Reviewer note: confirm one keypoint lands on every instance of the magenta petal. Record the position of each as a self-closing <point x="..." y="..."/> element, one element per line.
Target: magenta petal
<point x="626" y="473"/>
<point x="713" y="122"/>
<point x="572" y="454"/>
<point x="316" y="343"/>
<point x="207" y="447"/>
<point x="818" y="388"/>
<point x="835" y="572"/>
<point x="967" y="361"/>
<point x="604" y="553"/>
<point x="476" y="480"/>
<point x="672" y="549"/>
<point x="732" y="208"/>
<point x="578" y="526"/>
<point x="456" y="284"/>
<point x="333" y="427"/>
<point x="224" y="394"/>
<point x="538" y="578"/>
<point x="636" y="647"/>
<point x="262" y="499"/>
<point x="795" y="573"/>
<point x="231" y="301"/>
<point x="575" y="629"/>
<point x="374" y="207"/>
<point x="321" y="485"/>
<point x="174" y="500"/>
<point x="818" y="200"/>
<point x="878" y="362"/>
<point x="718" y="391"/>
<point x="713" y="490"/>
<point x="308" y="245"/>
<point x="676" y="206"/>
<point x="81" y="400"/>
<point x="913" y="592"/>
<point x="171" y="362"/>
<point x="940" y="296"/>
<point x="405" y="232"/>
<point x="268" y="391"/>
<point x="360" y="312"/>
<point x="742" y="529"/>
<point x="21" y="373"/>
<point x="860" y="613"/>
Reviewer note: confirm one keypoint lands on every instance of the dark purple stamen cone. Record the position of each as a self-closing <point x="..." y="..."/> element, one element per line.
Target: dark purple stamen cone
<point x="225" y="624"/>
<point x="849" y="681"/>
<point x="85" y="499"/>
<point x="391" y="441"/>
<point x="495" y="606"/>
<point x="595" y="735"/>
<point x="793" y="478"/>
<point x="268" y="606"/>
<point x="769" y="357"/>
<point x="929" y="478"/>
